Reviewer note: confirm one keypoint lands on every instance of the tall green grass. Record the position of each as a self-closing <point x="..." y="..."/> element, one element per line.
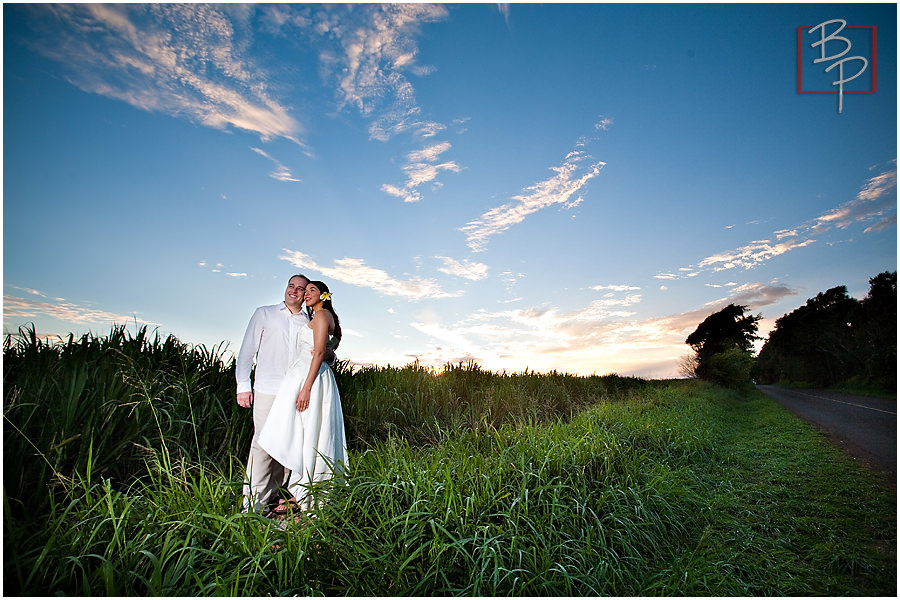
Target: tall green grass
<point x="111" y="403"/>
<point x="462" y="482"/>
<point x="119" y="399"/>
<point x="420" y="404"/>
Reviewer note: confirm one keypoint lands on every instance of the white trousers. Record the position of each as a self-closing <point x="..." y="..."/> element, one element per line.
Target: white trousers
<point x="264" y="474"/>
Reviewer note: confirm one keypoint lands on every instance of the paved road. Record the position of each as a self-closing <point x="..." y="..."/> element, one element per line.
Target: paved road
<point x="864" y="427"/>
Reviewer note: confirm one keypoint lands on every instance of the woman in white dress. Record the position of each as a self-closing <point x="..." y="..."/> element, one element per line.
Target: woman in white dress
<point x="305" y="428"/>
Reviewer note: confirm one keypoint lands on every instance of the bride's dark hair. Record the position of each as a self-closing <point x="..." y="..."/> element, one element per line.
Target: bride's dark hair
<point x="326" y="304"/>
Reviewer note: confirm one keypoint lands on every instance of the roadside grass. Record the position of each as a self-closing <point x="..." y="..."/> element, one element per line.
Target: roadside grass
<point x="794" y="514"/>
<point x="613" y="487"/>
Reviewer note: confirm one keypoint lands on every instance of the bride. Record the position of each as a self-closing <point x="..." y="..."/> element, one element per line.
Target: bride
<point x="305" y="428"/>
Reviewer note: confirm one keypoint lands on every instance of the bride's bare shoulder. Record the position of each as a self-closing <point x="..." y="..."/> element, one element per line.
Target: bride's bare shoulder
<point x="322" y="316"/>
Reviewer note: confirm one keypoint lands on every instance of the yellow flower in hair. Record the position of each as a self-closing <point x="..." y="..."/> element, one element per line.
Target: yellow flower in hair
<point x="325" y="296"/>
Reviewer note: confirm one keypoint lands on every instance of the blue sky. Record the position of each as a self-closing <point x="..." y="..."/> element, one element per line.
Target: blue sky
<point x="570" y="187"/>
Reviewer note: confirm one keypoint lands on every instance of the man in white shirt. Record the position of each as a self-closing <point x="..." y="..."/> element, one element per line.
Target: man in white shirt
<point x="270" y="339"/>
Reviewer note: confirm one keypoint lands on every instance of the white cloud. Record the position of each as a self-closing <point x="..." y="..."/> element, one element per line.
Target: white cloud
<point x="417" y="175"/>
<point x="601" y="336"/>
<point x="30" y="291"/>
<point x="355" y="271"/>
<point x="428" y="154"/>
<point x="749" y="256"/>
<point x="503" y="7"/>
<point x="420" y="172"/>
<point x="181" y="60"/>
<point x="616" y="288"/>
<point x="220" y="268"/>
<point x="375" y="45"/>
<point x="369" y="53"/>
<point x="883" y="224"/>
<point x="603" y="124"/>
<point x="570" y="177"/>
<point x="281" y="173"/>
<point x="460" y="124"/>
<point x="877" y="197"/>
<point x="470" y="270"/>
<point x="14" y="307"/>
<point x="877" y="200"/>
<point x="192" y="61"/>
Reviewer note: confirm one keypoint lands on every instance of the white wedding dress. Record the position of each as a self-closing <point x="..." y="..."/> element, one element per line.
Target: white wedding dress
<point x="312" y="443"/>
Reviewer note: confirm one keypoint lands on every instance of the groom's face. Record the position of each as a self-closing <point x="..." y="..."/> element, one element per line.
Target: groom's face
<point x="293" y="295"/>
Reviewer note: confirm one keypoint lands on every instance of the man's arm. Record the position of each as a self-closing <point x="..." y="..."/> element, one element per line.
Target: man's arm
<point x="249" y="349"/>
<point x="245" y="399"/>
<point x="330" y="347"/>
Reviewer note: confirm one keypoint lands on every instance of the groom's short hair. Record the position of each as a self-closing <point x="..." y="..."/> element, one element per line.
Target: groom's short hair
<point x="304" y="277"/>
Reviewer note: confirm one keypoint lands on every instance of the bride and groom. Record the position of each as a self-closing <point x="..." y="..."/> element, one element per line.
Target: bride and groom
<point x="298" y="437"/>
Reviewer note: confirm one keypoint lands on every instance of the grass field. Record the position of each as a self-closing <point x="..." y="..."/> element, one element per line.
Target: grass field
<point x="123" y="458"/>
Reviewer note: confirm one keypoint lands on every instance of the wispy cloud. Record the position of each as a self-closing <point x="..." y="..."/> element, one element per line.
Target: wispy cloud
<point x="193" y="61"/>
<point x="182" y="60"/>
<point x="603" y="124"/>
<point x="376" y="46"/>
<point x="475" y="271"/>
<point x="65" y="311"/>
<point x="885" y="223"/>
<point x="220" y="268"/>
<point x="369" y="54"/>
<point x="422" y="168"/>
<point x="749" y="256"/>
<point x="876" y="201"/>
<point x="876" y="198"/>
<point x="535" y="336"/>
<point x="503" y="7"/>
<point x="616" y="288"/>
<point x="429" y="154"/>
<point x="281" y="172"/>
<point x="754" y="295"/>
<point x="570" y="178"/>
<point x="355" y="271"/>
<point x="461" y="125"/>
<point x="601" y="336"/>
<point x="30" y="291"/>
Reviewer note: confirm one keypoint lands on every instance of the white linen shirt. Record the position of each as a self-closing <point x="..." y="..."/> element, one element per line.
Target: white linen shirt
<point x="271" y="339"/>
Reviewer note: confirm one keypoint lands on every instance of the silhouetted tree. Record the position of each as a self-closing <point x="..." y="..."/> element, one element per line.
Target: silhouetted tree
<point x="723" y="343"/>
<point x="877" y="336"/>
<point x="813" y="344"/>
<point x="835" y="339"/>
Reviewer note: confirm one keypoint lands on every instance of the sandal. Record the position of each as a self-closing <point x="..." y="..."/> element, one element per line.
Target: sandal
<point x="283" y="507"/>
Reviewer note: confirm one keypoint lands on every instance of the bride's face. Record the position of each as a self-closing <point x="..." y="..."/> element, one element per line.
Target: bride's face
<point x="312" y="296"/>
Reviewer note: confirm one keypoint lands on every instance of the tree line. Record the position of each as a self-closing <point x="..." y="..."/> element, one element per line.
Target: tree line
<point x="832" y="340"/>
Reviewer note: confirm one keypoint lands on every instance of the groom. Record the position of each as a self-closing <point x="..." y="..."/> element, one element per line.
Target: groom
<point x="270" y="339"/>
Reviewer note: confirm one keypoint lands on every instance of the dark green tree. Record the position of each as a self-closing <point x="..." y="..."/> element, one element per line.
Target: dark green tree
<point x="723" y="343"/>
<point x="813" y="345"/>
<point x="835" y="339"/>
<point x="876" y="338"/>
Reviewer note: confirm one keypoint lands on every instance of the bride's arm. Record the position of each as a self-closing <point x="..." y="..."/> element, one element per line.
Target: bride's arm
<point x="320" y="335"/>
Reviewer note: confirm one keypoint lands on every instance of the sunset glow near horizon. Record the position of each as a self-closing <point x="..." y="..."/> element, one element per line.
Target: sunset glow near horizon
<point x="527" y="186"/>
